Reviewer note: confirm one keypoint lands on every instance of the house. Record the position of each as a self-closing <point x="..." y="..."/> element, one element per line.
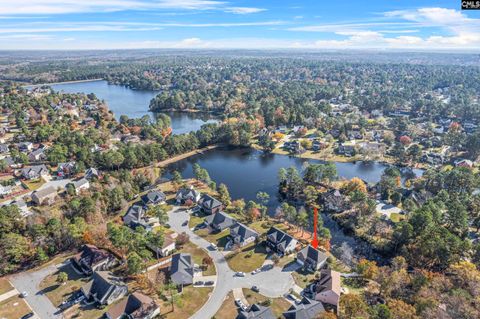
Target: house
<point x="130" y="139"/>
<point x="45" y="196"/>
<point x="464" y="163"/>
<point x="311" y="258"/>
<point x="104" y="288"/>
<point x="333" y="201"/>
<point x="187" y="196"/>
<point x="307" y="309"/>
<point x="327" y="289"/>
<point x="154" y="197"/>
<point x="346" y="149"/>
<point x="4" y="149"/>
<point x="135" y="306"/>
<point x="354" y="135"/>
<point x="181" y="269"/>
<point x="256" y="312"/>
<point x="280" y="242"/>
<point x="91" y="259"/>
<point x="20" y="203"/>
<point x="433" y="158"/>
<point x="210" y="205"/>
<point x="219" y="221"/>
<point x="168" y="245"/>
<point x="5" y="190"/>
<point x="241" y="235"/>
<point x="80" y="185"/>
<point x="318" y="145"/>
<point x="37" y="155"/>
<point x="92" y="173"/>
<point x="136" y="216"/>
<point x="419" y="197"/>
<point x="34" y="172"/>
<point x="64" y="170"/>
<point x="25" y="146"/>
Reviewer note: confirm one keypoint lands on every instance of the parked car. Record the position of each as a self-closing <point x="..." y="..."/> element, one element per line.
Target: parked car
<point x="24" y="294"/>
<point x="28" y="315"/>
<point x="185" y="223"/>
<point x="213" y="246"/>
<point x="209" y="283"/>
<point x="240" y="274"/>
<point x="255" y="288"/>
<point x="267" y="267"/>
<point x="199" y="283"/>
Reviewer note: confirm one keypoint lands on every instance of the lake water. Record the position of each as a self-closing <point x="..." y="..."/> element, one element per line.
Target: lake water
<point x="248" y="171"/>
<point x="122" y="100"/>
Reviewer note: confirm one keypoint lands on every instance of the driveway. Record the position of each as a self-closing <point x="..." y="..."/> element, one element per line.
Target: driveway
<point x="29" y="281"/>
<point x="273" y="283"/>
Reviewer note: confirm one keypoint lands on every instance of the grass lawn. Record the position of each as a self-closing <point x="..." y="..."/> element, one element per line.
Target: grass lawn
<point x="219" y="239"/>
<point x="396" y="217"/>
<point x="34" y="184"/>
<point x="228" y="309"/>
<point x="198" y="254"/>
<point x="195" y="219"/>
<point x="13" y="308"/>
<point x="278" y="305"/>
<point x="303" y="278"/>
<point x="59" y="292"/>
<point x="86" y="312"/>
<point x="187" y="303"/>
<point x="250" y="258"/>
<point x="5" y="286"/>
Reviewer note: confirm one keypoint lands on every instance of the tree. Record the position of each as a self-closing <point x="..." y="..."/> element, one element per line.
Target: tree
<point x="177" y="179"/>
<point x="352" y="306"/>
<point x="134" y="263"/>
<point x="401" y="310"/>
<point x="368" y="269"/>
<point x="311" y="195"/>
<point x="355" y="184"/>
<point x="224" y="194"/>
<point x="62" y="277"/>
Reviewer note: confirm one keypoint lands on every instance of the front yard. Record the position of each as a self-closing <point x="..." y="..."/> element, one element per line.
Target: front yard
<point x="13" y="308"/>
<point x="186" y="303"/>
<point x="198" y="254"/>
<point x="59" y="292"/>
<point x="5" y="286"/>
<point x="278" y="305"/>
<point x="248" y="259"/>
<point x="228" y="309"/>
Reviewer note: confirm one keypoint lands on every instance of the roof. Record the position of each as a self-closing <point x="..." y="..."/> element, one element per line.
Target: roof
<point x="188" y="193"/>
<point x="312" y="254"/>
<point x="134" y="214"/>
<point x="242" y="231"/>
<point x="36" y="169"/>
<point x="220" y="220"/>
<point x="307" y="309"/>
<point x="80" y="182"/>
<point x="209" y="202"/>
<point x="45" y="192"/>
<point x="154" y="197"/>
<point x="256" y="312"/>
<point x="279" y="238"/>
<point x="329" y="280"/>
<point x="100" y="284"/>
<point x="136" y="305"/>
<point x="91" y="255"/>
<point x="181" y="270"/>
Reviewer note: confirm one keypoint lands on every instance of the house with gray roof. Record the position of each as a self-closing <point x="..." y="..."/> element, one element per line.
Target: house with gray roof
<point x="186" y="195"/>
<point x="311" y="259"/>
<point x="241" y="235"/>
<point x="154" y="197"/>
<point x="280" y="242"/>
<point x="65" y="170"/>
<point x="45" y="196"/>
<point x="256" y="312"/>
<point x="181" y="269"/>
<point x="104" y="288"/>
<point x="92" y="173"/>
<point x="81" y="184"/>
<point x="135" y="306"/>
<point x="37" y="155"/>
<point x="210" y="205"/>
<point x="136" y="216"/>
<point x="34" y="172"/>
<point x="307" y="309"/>
<point x="219" y="221"/>
<point x="91" y="259"/>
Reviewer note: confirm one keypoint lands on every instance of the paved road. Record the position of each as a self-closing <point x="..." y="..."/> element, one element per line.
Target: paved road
<point x="273" y="283"/>
<point x="29" y="281"/>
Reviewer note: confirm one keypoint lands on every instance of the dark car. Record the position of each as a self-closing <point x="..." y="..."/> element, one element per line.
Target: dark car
<point x="209" y="283"/>
<point x="199" y="283"/>
<point x="255" y="288"/>
<point x="28" y="315"/>
<point x="185" y="223"/>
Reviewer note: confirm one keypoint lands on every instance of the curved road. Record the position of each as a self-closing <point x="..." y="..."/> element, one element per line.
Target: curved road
<point x="273" y="283"/>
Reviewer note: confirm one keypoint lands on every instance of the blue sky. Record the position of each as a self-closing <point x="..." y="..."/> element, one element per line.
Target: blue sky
<point x="217" y="24"/>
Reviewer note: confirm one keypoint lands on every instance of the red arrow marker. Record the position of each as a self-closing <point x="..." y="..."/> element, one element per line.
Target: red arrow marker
<point x="315" y="219"/>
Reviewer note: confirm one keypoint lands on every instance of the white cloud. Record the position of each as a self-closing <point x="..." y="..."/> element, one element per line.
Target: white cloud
<point x="243" y="10"/>
<point x="36" y="7"/>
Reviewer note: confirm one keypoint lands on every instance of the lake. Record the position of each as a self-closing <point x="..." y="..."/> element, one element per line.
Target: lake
<point x="248" y="171"/>
<point x="122" y="100"/>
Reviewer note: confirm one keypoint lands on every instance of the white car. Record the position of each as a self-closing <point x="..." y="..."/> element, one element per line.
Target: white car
<point x="24" y="294"/>
<point x="214" y="247"/>
<point x="240" y="274"/>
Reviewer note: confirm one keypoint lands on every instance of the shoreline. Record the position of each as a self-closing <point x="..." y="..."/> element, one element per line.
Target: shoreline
<point x="59" y="83"/>
<point x="186" y="155"/>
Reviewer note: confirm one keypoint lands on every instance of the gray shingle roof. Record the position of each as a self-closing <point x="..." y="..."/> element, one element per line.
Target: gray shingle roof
<point x="308" y="309"/>
<point x="256" y="312"/>
<point x="220" y="220"/>
<point x="181" y="270"/>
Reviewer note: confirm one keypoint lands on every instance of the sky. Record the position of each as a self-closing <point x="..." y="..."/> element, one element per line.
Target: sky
<point x="243" y="24"/>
